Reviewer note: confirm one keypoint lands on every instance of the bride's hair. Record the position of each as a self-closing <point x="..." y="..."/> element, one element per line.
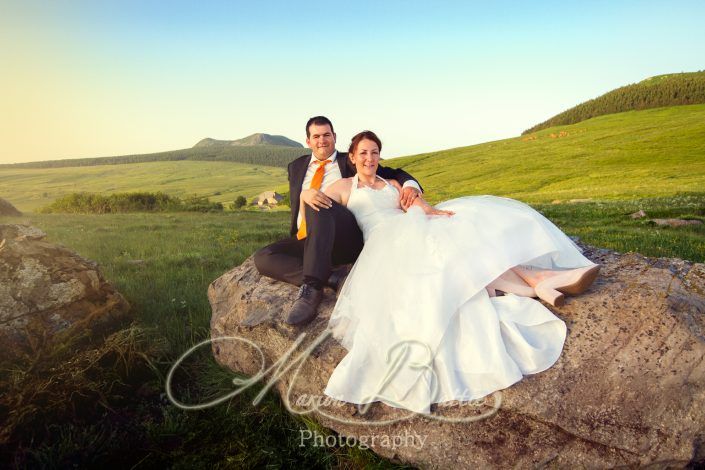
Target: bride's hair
<point x="364" y="135"/>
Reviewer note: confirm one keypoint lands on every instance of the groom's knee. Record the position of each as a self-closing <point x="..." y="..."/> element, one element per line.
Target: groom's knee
<point x="263" y="260"/>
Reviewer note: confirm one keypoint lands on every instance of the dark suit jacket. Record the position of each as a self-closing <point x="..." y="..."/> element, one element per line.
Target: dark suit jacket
<point x="297" y="173"/>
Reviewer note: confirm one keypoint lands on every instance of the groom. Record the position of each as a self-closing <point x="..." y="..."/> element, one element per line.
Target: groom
<point x="326" y="234"/>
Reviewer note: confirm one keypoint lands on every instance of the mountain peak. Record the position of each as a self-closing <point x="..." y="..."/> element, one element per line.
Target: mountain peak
<point x="256" y="139"/>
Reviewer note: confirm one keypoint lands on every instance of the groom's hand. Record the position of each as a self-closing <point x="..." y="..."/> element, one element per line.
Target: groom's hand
<point x="407" y="196"/>
<point x="316" y="199"/>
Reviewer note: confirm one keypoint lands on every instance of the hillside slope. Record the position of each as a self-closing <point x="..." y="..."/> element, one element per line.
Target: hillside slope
<point x="638" y="153"/>
<point x="654" y="92"/>
<point x="278" y="155"/>
<point x="656" y="152"/>
<point x="31" y="189"/>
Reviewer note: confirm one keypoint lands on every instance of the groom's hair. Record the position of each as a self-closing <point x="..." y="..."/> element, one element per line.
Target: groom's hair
<point x="364" y="135"/>
<point x="319" y="121"/>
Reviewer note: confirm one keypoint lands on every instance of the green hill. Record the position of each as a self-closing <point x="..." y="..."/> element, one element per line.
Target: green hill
<point x="251" y="140"/>
<point x="655" y="92"/>
<point x="257" y="149"/>
<point x="29" y="189"/>
<point x="655" y="152"/>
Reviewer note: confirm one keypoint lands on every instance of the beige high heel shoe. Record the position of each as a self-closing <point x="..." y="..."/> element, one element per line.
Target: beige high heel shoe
<point x="573" y="282"/>
<point x="509" y="286"/>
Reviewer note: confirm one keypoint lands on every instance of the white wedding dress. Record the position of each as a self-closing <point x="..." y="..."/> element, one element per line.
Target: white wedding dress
<point x="414" y="314"/>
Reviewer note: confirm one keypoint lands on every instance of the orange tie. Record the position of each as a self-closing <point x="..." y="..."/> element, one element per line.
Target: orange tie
<point x="315" y="184"/>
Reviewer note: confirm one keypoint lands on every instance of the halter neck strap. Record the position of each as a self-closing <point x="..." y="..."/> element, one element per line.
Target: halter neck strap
<point x="356" y="180"/>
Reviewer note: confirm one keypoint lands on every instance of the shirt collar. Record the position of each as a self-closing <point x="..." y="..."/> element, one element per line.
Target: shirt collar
<point x="332" y="158"/>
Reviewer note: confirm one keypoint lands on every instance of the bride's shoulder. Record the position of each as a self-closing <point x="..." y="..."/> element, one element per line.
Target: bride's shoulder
<point x="343" y="183"/>
<point x="340" y="187"/>
<point x="340" y="190"/>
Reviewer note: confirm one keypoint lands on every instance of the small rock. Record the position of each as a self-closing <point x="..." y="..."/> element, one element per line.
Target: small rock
<point x="638" y="215"/>
<point x="18" y="232"/>
<point x="676" y="222"/>
<point x="8" y="209"/>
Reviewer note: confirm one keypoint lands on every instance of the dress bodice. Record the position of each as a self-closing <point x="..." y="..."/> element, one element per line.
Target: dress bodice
<point x="371" y="206"/>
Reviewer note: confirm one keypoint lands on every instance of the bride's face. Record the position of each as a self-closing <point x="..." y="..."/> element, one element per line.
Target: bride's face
<point x="366" y="157"/>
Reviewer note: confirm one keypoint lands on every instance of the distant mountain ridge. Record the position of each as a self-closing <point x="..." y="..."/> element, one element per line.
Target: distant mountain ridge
<point x="673" y="89"/>
<point x="256" y="149"/>
<point x="251" y="141"/>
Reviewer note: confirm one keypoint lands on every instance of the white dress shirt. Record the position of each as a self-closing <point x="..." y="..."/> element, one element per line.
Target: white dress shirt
<point x="330" y="176"/>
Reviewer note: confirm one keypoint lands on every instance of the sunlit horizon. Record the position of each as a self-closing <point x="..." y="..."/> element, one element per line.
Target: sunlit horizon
<point x="85" y="79"/>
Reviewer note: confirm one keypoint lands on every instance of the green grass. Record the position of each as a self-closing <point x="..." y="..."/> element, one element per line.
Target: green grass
<point x="656" y="152"/>
<point x="652" y="160"/>
<point x="609" y="225"/>
<point x="181" y="253"/>
<point x="29" y="189"/>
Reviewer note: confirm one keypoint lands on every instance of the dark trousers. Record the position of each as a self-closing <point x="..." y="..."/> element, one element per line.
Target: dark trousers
<point x="333" y="237"/>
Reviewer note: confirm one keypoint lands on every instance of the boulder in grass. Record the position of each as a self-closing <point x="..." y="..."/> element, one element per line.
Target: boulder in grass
<point x="627" y="390"/>
<point x="48" y="291"/>
<point x="8" y="209"/>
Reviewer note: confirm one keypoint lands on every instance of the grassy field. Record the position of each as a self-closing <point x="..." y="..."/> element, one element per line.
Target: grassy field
<point x="134" y="426"/>
<point x="181" y="254"/>
<point x="656" y="152"/>
<point x="652" y="160"/>
<point x="609" y="225"/>
<point x="31" y="189"/>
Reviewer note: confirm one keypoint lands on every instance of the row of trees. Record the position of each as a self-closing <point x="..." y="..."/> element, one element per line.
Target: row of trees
<point x="267" y="155"/>
<point x="92" y="203"/>
<point x="655" y="92"/>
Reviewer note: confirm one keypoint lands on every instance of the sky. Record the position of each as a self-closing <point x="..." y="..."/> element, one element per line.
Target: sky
<point x="100" y="78"/>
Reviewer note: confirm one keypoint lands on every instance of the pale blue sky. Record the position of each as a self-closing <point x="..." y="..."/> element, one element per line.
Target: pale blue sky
<point x="98" y="78"/>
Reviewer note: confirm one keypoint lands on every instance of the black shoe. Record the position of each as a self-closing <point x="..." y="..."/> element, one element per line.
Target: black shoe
<point x="337" y="277"/>
<point x="305" y="305"/>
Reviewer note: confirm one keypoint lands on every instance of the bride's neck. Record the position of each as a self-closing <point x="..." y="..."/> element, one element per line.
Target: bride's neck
<point x="367" y="179"/>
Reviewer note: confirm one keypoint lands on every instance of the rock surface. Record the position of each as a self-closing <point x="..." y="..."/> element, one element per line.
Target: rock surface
<point x="47" y="291"/>
<point x="677" y="222"/>
<point x="8" y="209"/>
<point x="628" y="389"/>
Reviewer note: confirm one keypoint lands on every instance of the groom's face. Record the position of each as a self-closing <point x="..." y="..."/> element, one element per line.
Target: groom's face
<point x="321" y="141"/>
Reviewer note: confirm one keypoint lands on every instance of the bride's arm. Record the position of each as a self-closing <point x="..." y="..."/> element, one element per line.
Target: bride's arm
<point x="420" y="202"/>
<point x="429" y="209"/>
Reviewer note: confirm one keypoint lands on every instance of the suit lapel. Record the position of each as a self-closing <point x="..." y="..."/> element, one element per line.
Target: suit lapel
<point x="298" y="178"/>
<point x="344" y="165"/>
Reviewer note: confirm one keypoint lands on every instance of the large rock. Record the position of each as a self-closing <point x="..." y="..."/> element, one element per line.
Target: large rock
<point x="8" y="209"/>
<point x="628" y="389"/>
<point x="48" y="292"/>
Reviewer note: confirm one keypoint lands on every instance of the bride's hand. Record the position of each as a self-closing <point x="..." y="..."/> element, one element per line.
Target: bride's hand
<point x="435" y="211"/>
<point x="429" y="209"/>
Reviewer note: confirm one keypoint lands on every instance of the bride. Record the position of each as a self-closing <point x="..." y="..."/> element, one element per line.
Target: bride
<point x="418" y="312"/>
